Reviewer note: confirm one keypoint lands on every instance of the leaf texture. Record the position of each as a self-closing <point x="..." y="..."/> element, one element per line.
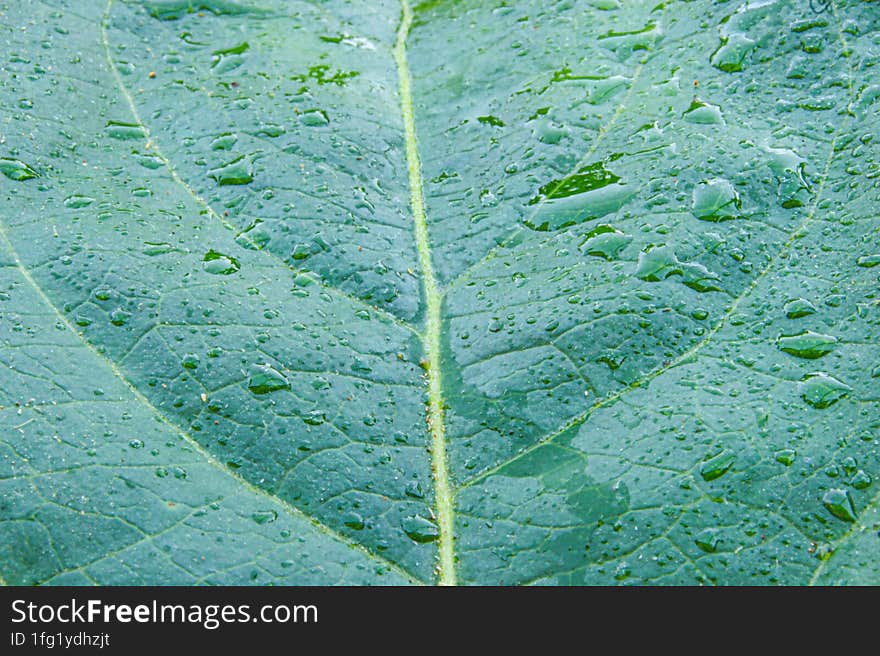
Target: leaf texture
<point x="581" y="292"/>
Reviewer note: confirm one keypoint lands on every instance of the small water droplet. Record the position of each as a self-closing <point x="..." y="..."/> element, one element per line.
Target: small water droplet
<point x="707" y="540"/>
<point x="786" y="457"/>
<point x="264" y="516"/>
<point x="76" y="202"/>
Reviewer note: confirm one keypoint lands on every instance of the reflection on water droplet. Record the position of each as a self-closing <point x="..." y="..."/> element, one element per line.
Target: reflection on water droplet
<point x="657" y="263"/>
<point x="703" y="113"/>
<point x="420" y="529"/>
<point x="592" y="192"/>
<point x="717" y="466"/>
<point x="153" y="248"/>
<point x="314" y="118"/>
<point x="16" y="170"/>
<point x="224" y="141"/>
<point x="76" y="202"/>
<point x="707" y="540"/>
<point x="605" y="241"/>
<point x="839" y="504"/>
<point x="119" y="317"/>
<point x="264" y="516"/>
<point x="732" y="52"/>
<point x="219" y="264"/>
<point x="228" y="59"/>
<point x="861" y="480"/>
<point x="807" y="344"/>
<point x="798" y="307"/>
<point x="715" y="200"/>
<point x="821" y="390"/>
<point x="124" y="131"/>
<point x="236" y="172"/>
<point x="265" y="379"/>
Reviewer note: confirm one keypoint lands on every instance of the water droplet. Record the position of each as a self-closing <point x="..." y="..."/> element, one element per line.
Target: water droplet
<point x="314" y="417"/>
<point x="839" y="504"/>
<point x="124" y="131"/>
<point x="190" y="361"/>
<point x="136" y="444"/>
<point x="314" y="118"/>
<point x="265" y="379"/>
<point x="224" y="141"/>
<point x="731" y="54"/>
<point x="153" y="248"/>
<point x="264" y="516"/>
<point x="605" y="241"/>
<point x="420" y="529"/>
<point x="821" y="390"/>
<point x="861" y="480"/>
<point x="590" y="193"/>
<point x="491" y="120"/>
<point x="353" y="521"/>
<point x="798" y="307"/>
<point x="236" y="172"/>
<point x="717" y="466"/>
<point x="228" y="59"/>
<point x="703" y="113"/>
<point x="76" y="202"/>
<point x="219" y="264"/>
<point x="868" y="261"/>
<point x="119" y="317"/>
<point x="786" y="457"/>
<point x="707" y="540"/>
<point x="657" y="263"/>
<point x="807" y="344"/>
<point x="16" y="170"/>
<point x="715" y="200"/>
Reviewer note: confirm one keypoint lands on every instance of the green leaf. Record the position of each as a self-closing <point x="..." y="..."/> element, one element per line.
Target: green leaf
<point x="470" y="292"/>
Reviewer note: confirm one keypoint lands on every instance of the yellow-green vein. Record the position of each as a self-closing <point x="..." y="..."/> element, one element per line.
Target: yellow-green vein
<point x="433" y="302"/>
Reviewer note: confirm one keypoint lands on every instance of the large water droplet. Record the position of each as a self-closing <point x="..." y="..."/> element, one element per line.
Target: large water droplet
<point x="798" y="307"/>
<point x="839" y="504"/>
<point x="703" y="113"/>
<point x="420" y="529"/>
<point x="807" y="344"/>
<point x="716" y="200"/>
<point x="124" y="131"/>
<point x="717" y="466"/>
<point x="220" y="264"/>
<point x="605" y="241"/>
<point x="821" y="390"/>
<point x="237" y="172"/>
<point x="265" y="379"/>
<point x="16" y="170"/>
